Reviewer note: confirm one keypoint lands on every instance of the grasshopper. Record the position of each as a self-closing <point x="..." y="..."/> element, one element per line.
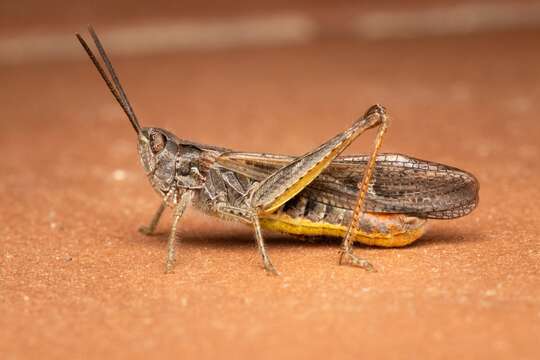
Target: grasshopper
<point x="381" y="199"/>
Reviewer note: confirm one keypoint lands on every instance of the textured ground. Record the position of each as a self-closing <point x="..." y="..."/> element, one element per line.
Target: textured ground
<point x="77" y="280"/>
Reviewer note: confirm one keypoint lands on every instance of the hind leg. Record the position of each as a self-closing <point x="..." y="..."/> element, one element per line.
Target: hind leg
<point x="347" y="256"/>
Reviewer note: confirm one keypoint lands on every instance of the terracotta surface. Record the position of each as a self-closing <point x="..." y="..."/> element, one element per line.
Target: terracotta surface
<point x="77" y="280"/>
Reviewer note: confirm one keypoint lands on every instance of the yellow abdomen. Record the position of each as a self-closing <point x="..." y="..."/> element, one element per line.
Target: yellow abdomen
<point x="389" y="230"/>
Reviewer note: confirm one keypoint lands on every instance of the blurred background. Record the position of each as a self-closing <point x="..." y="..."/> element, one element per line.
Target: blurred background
<point x="460" y="79"/>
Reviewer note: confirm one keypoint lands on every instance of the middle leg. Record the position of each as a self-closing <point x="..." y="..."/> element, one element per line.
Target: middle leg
<point x="251" y="216"/>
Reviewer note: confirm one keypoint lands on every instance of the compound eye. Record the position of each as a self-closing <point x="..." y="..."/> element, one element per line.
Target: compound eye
<point x="157" y="142"/>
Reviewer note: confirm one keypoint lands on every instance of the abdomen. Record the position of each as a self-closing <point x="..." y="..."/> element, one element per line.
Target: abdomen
<point x="306" y="217"/>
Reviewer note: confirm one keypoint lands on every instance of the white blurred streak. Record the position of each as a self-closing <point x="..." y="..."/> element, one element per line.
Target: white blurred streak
<point x="459" y="19"/>
<point x="277" y="29"/>
<point x="165" y="37"/>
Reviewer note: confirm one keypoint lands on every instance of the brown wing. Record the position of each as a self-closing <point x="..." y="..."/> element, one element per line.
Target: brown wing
<point x="400" y="184"/>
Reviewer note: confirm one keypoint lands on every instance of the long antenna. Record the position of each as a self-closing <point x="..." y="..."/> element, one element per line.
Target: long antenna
<point x="116" y="88"/>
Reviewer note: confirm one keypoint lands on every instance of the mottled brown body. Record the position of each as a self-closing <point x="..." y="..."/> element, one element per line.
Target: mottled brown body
<point x="313" y="208"/>
<point x="377" y="199"/>
<point x="395" y="205"/>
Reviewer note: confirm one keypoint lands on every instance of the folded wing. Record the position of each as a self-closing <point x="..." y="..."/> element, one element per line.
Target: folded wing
<point x="400" y="184"/>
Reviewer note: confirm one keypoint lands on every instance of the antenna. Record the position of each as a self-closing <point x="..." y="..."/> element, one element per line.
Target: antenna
<point x="116" y="88"/>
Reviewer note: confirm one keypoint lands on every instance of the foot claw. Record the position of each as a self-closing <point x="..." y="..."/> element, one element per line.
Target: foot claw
<point x="145" y="230"/>
<point x="169" y="267"/>
<point x="270" y="269"/>
<point x="355" y="261"/>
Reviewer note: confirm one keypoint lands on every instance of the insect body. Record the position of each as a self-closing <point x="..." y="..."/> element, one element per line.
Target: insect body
<point x="380" y="199"/>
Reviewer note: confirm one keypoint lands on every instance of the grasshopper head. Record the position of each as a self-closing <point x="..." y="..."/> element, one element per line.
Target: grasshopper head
<point x="167" y="161"/>
<point x="157" y="152"/>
